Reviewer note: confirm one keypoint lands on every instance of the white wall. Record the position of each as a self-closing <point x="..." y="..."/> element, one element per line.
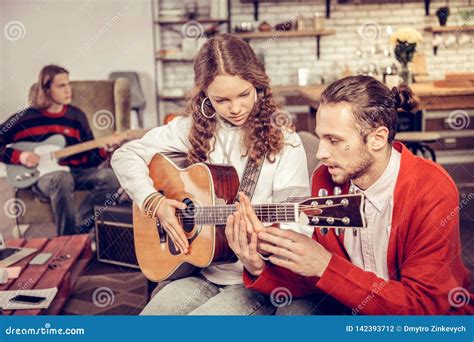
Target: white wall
<point x="89" y="38"/>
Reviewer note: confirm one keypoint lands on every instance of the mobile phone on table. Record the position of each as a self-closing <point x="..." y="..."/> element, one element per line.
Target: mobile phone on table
<point x="41" y="259"/>
<point x="24" y="299"/>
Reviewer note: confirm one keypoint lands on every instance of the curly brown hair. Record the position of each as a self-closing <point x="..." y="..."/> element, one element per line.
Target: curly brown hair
<point x="226" y="54"/>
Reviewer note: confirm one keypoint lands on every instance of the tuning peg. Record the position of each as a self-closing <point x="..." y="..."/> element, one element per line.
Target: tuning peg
<point x="315" y="220"/>
<point x="322" y="192"/>
<point x="324" y="231"/>
<point x="346" y="220"/>
<point x="330" y="220"/>
<point x="352" y="189"/>
<point x="337" y="191"/>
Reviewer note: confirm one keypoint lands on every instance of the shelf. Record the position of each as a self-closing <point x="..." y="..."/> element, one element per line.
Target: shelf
<point x="284" y="34"/>
<point x="171" y="98"/>
<point x="184" y="21"/>
<point x="447" y="29"/>
<point x="174" y="60"/>
<point x="256" y="7"/>
<point x="288" y="34"/>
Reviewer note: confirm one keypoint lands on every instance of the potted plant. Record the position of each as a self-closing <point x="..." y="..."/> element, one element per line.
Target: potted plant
<point x="442" y="13"/>
<point x="405" y="40"/>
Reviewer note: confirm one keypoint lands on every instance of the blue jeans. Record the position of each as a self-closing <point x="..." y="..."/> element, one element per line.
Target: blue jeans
<point x="198" y="296"/>
<point x="58" y="187"/>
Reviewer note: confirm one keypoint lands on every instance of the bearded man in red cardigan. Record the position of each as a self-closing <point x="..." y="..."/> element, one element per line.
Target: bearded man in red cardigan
<point x="408" y="259"/>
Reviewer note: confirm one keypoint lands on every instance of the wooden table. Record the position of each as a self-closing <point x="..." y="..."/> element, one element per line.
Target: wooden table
<point x="64" y="276"/>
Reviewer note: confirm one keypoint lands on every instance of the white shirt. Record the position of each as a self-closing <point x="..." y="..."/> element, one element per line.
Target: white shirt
<point x="287" y="176"/>
<point x="368" y="249"/>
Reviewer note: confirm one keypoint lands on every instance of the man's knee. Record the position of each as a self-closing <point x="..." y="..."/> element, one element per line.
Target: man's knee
<point x="106" y="178"/>
<point x="57" y="183"/>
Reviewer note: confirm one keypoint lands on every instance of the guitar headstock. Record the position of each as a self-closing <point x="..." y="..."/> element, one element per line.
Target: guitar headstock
<point x="339" y="211"/>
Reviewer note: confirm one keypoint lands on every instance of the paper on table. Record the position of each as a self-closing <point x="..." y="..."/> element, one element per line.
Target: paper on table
<point x="5" y="297"/>
<point x="13" y="272"/>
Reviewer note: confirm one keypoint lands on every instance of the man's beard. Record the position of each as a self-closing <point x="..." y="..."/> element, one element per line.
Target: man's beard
<point x="355" y="170"/>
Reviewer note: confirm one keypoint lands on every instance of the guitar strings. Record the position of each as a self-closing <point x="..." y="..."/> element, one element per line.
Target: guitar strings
<point x="224" y="211"/>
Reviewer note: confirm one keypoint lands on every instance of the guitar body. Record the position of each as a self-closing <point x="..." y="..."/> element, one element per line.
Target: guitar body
<point x="200" y="184"/>
<point x="50" y="151"/>
<point x="21" y="176"/>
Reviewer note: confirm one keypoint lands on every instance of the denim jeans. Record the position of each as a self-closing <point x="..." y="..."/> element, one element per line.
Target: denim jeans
<point x="198" y="296"/>
<point x="58" y="188"/>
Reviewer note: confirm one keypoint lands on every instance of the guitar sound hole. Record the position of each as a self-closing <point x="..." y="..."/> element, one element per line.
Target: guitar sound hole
<point x="172" y="247"/>
<point x="187" y="218"/>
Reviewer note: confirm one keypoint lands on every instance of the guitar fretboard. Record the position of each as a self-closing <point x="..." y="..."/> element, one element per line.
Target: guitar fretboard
<point x="217" y="215"/>
<point x="96" y="143"/>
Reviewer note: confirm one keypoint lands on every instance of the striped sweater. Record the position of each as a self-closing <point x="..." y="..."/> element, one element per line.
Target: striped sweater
<point x="34" y="125"/>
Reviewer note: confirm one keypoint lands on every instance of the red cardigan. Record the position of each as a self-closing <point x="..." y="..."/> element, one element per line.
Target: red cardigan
<point x="423" y="256"/>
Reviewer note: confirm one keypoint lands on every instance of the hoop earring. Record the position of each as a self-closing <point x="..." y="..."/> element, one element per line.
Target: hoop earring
<point x="203" y="113"/>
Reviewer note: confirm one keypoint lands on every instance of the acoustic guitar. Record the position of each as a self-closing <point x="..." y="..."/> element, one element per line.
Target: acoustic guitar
<point x="209" y="190"/>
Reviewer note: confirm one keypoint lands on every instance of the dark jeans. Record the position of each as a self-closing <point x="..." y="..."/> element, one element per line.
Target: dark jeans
<point x="58" y="187"/>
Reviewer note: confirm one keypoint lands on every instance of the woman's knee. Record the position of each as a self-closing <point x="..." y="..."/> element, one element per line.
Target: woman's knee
<point x="180" y="297"/>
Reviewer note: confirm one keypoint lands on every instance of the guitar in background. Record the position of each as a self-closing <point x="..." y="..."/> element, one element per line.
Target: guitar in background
<point x="51" y="151"/>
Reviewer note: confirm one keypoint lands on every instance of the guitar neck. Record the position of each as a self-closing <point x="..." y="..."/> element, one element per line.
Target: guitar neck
<point x="267" y="213"/>
<point x="82" y="147"/>
<point x="97" y="143"/>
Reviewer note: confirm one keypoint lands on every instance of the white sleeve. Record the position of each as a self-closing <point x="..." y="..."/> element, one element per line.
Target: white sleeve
<point x="291" y="178"/>
<point x="130" y="162"/>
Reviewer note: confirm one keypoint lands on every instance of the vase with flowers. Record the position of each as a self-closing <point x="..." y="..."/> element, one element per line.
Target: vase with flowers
<point x="405" y="40"/>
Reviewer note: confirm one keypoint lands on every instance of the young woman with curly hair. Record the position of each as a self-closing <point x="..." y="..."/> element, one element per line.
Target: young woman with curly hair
<point x="231" y="117"/>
